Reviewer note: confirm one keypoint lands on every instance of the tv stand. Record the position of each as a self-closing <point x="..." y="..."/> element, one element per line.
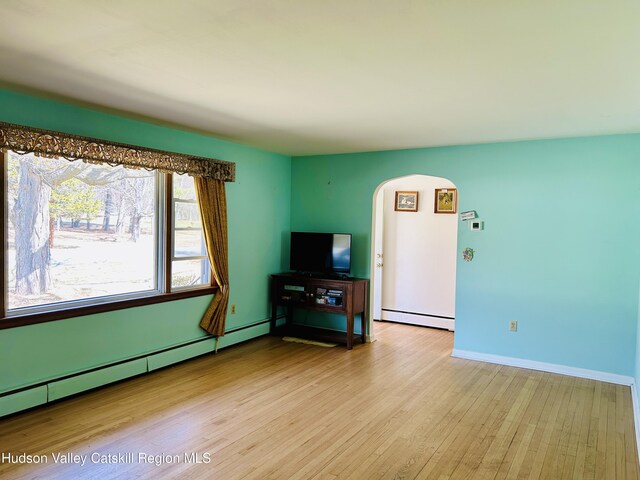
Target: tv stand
<point x="322" y="294"/>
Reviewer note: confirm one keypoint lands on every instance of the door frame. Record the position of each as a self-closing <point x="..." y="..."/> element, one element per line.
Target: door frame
<point x="375" y="220"/>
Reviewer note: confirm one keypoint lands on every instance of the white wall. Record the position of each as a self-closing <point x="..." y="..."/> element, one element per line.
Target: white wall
<point x="419" y="252"/>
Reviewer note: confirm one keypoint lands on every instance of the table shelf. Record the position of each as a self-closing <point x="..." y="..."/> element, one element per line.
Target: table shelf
<point x="346" y="297"/>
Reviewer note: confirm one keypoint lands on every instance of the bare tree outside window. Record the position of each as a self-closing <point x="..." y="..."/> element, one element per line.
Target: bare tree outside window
<point x="190" y="266"/>
<point x="78" y="230"/>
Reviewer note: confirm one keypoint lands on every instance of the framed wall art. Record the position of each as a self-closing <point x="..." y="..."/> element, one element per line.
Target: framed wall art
<point x="406" y="201"/>
<point x="446" y="200"/>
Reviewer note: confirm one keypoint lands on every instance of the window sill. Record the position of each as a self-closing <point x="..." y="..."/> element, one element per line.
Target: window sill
<point x="42" y="317"/>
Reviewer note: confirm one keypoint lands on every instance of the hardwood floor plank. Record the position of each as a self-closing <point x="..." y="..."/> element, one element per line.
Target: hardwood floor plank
<point x="582" y="432"/>
<point x="399" y="408"/>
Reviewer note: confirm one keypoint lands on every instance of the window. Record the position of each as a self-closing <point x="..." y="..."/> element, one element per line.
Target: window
<point x="79" y="234"/>
<point x="190" y="266"/>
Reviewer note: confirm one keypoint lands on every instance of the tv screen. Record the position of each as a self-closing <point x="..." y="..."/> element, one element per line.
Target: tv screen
<point x="320" y="252"/>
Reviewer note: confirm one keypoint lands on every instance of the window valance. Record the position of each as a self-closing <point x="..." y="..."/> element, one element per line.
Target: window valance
<point x="51" y="144"/>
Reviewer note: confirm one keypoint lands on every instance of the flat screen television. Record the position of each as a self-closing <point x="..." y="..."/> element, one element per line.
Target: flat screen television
<point x="320" y="252"/>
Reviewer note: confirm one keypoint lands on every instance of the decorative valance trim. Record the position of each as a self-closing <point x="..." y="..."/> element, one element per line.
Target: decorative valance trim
<point x="46" y="143"/>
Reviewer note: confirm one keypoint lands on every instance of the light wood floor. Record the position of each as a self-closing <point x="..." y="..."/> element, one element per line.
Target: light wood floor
<point x="398" y="408"/>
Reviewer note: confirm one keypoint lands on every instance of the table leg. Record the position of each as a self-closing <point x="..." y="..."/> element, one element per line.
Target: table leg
<point x="274" y="316"/>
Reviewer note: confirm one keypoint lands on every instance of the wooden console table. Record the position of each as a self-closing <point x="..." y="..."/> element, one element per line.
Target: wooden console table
<point x="347" y="297"/>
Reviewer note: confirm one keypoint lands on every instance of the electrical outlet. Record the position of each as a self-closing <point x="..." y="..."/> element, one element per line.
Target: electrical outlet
<point x="233" y="308"/>
<point x="513" y="325"/>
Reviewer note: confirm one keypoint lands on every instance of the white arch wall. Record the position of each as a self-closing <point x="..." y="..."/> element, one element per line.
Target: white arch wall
<point x="419" y="273"/>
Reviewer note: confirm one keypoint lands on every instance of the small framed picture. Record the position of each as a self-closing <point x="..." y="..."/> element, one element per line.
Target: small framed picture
<point x="406" y="201"/>
<point x="446" y="200"/>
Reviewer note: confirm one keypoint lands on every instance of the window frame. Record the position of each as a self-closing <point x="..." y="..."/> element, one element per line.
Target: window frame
<point x="77" y="308"/>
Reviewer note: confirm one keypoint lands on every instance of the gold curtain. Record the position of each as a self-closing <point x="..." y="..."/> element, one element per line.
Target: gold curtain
<point x="213" y="211"/>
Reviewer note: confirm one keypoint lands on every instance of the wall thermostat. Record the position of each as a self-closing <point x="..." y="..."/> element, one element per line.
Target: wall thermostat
<point x="471" y="214"/>
<point x="476" y="225"/>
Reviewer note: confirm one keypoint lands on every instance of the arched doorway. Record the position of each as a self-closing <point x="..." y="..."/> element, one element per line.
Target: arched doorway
<point x="413" y="255"/>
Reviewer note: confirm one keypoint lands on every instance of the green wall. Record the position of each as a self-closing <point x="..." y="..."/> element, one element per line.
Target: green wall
<point x="637" y="365"/>
<point x="558" y="252"/>
<point x="259" y="218"/>
<point x="559" y="249"/>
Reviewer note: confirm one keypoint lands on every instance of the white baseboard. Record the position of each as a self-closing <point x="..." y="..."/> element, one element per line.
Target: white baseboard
<point x="421" y="320"/>
<point x="545" y="367"/>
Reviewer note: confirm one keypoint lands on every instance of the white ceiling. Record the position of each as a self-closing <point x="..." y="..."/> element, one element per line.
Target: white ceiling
<point x="328" y="76"/>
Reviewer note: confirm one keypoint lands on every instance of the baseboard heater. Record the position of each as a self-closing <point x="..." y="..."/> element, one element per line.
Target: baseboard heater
<point x="56" y="388"/>
<point x="415" y="318"/>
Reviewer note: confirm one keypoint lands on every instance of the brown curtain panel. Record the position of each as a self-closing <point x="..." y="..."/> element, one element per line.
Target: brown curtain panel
<point x="213" y="211"/>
